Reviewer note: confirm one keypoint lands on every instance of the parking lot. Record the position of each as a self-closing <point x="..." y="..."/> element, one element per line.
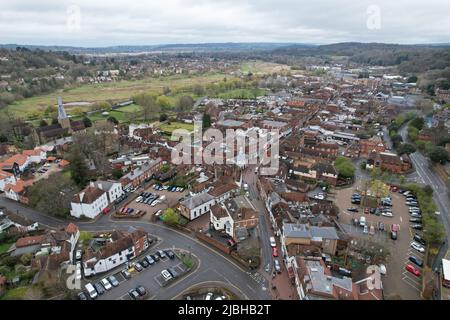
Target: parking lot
<point x="166" y="199"/>
<point x="397" y="281"/>
<point x="150" y="278"/>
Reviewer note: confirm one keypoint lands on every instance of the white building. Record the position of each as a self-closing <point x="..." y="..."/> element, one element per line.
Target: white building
<point x="113" y="189"/>
<point x="197" y="205"/>
<point x="89" y="202"/>
<point x="5" y="179"/>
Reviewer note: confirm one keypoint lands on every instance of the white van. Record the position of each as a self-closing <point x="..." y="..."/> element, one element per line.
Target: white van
<point x="91" y="291"/>
<point x="362" y="221"/>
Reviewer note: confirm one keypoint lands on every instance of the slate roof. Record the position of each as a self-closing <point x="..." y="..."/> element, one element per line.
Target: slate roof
<point x="293" y="230"/>
<point x="197" y="200"/>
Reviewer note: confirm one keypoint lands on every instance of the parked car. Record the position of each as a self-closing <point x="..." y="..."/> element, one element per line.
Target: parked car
<point x="416" y="226"/>
<point x="372" y="230"/>
<point x="273" y="243"/>
<point x="78" y="255"/>
<point x="144" y="263"/>
<point x="277" y="265"/>
<point x="366" y="210"/>
<point x="417" y="246"/>
<point x="394" y="235"/>
<point x="161" y="254"/>
<point x="381" y="226"/>
<point x="413" y="270"/>
<point x="387" y="214"/>
<point x="150" y="260"/>
<point x="419" y="239"/>
<point x="126" y="274"/>
<point x="416" y="261"/>
<point x="154" y="257"/>
<point x="82" y="296"/>
<point x="99" y="288"/>
<point x="91" y="291"/>
<point x="106" y="284"/>
<point x="366" y="229"/>
<point x="274" y="251"/>
<point x="166" y="275"/>
<point x="170" y="254"/>
<point x="209" y="296"/>
<point x="137" y="266"/>
<point x="344" y="272"/>
<point x="141" y="290"/>
<point x="134" y="294"/>
<point x="416" y="220"/>
<point x="173" y="272"/>
<point x="353" y="209"/>
<point x="113" y="281"/>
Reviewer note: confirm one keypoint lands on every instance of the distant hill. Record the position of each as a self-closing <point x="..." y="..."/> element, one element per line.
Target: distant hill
<point x="199" y="47"/>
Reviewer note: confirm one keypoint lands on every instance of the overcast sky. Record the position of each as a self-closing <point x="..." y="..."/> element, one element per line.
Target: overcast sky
<point x="132" y="22"/>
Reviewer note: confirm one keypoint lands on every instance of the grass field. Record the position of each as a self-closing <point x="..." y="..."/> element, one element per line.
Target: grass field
<point x="4" y="247"/>
<point x="169" y="128"/>
<point x="116" y="91"/>
<point x="262" y="67"/>
<point x="15" y="294"/>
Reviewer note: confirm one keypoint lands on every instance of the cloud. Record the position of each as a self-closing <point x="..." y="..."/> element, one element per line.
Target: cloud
<point x="119" y="22"/>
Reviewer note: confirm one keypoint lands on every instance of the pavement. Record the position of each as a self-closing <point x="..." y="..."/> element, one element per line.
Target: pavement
<point x="214" y="266"/>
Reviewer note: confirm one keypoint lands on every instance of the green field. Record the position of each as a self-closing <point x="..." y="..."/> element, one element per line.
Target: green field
<point x="15" y="294"/>
<point x="4" y="247"/>
<point x="116" y="91"/>
<point x="169" y="128"/>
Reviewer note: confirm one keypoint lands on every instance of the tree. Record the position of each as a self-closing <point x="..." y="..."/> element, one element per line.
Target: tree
<point x="396" y="139"/>
<point x="87" y="122"/>
<point x="163" y="102"/>
<point x="406" y="148"/>
<point x="434" y="231"/>
<point x="53" y="195"/>
<point x="185" y="103"/>
<point x="412" y="79"/>
<point x="163" y="117"/>
<point x="166" y="91"/>
<point x="345" y="167"/>
<point x="148" y="103"/>
<point x="206" y="121"/>
<point x="418" y="123"/>
<point x="77" y="166"/>
<point x="171" y="217"/>
<point x="113" y="120"/>
<point x="43" y="123"/>
<point x="439" y="155"/>
<point x="117" y="173"/>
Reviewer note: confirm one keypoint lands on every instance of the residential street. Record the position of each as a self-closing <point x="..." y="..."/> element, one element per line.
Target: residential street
<point x="213" y="265"/>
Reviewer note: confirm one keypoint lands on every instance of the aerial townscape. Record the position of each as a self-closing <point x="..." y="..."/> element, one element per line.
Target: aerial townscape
<point x="117" y="181"/>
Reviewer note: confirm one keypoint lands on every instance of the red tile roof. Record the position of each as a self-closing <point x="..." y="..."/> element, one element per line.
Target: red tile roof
<point x="29" y="241"/>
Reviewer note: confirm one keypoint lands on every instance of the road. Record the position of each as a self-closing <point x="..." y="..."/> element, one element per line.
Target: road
<point x="250" y="177"/>
<point x="429" y="177"/>
<point x="213" y="265"/>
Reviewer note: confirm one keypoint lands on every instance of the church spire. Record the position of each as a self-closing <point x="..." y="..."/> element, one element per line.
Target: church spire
<point x="61" y="111"/>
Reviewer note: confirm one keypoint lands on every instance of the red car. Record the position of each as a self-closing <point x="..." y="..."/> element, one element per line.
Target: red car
<point x="394" y="189"/>
<point x="106" y="210"/>
<point x="413" y="270"/>
<point x="366" y="210"/>
<point x="275" y="252"/>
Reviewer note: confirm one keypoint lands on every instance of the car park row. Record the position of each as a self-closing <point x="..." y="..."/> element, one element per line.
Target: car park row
<point x="94" y="290"/>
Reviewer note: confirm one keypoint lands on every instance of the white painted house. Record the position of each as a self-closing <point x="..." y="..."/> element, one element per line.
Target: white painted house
<point x="197" y="205"/>
<point x="113" y="189"/>
<point x="5" y="179"/>
<point x="89" y="203"/>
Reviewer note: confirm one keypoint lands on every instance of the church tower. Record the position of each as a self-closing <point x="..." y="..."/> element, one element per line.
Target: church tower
<point x="63" y="119"/>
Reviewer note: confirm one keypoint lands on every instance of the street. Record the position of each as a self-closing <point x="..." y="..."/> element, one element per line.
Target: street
<point x="213" y="265"/>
